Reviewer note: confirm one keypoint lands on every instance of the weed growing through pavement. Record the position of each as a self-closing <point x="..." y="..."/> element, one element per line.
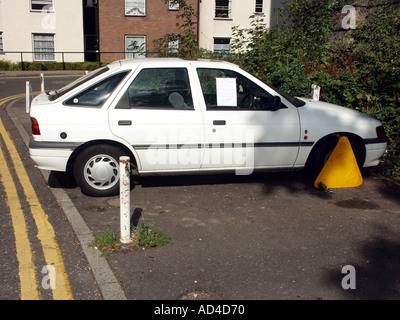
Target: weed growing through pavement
<point x="142" y="236"/>
<point x="106" y="242"/>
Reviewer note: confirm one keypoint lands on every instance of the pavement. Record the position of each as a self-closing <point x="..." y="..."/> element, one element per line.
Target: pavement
<point x="269" y="236"/>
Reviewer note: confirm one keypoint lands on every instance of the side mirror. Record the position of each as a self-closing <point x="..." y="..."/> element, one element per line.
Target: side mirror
<point x="275" y="103"/>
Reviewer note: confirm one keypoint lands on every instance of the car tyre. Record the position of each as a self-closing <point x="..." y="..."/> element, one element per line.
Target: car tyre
<point x="323" y="150"/>
<point x="96" y="170"/>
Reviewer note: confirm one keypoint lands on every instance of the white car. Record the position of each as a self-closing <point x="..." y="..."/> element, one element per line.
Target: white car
<point x="187" y="116"/>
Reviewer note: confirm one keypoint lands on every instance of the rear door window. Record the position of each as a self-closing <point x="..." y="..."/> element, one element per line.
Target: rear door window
<point x="159" y="88"/>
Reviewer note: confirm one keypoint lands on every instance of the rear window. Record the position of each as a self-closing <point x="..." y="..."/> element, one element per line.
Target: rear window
<point x="98" y="93"/>
<point x="58" y="93"/>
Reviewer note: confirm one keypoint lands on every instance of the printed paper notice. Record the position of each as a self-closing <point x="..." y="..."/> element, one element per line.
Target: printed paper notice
<point x="226" y="92"/>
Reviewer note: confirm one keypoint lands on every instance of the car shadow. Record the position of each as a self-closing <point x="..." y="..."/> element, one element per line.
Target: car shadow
<point x="294" y="181"/>
<point x="63" y="180"/>
<point x="291" y="181"/>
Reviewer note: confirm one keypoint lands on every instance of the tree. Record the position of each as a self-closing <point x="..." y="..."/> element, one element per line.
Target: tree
<point x="185" y="43"/>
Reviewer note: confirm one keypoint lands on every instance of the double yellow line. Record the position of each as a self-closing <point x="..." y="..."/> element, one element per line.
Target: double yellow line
<point x="29" y="283"/>
<point x="8" y="99"/>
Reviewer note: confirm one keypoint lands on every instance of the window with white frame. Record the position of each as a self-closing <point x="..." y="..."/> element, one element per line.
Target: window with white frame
<point x="43" y="47"/>
<point x="222" y="45"/>
<point x="135" y="7"/>
<point x="1" y="42"/>
<point x="135" y="47"/>
<point x="259" y="6"/>
<point x="173" y="46"/>
<point x="40" y="5"/>
<point x="173" y="5"/>
<point x="223" y="9"/>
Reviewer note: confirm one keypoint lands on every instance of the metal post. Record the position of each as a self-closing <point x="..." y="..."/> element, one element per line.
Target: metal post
<point x="28" y="90"/>
<point x="42" y="82"/>
<point x="98" y="57"/>
<point x="124" y="184"/>
<point x="22" y="62"/>
<point x="63" y="61"/>
<point x="315" y="92"/>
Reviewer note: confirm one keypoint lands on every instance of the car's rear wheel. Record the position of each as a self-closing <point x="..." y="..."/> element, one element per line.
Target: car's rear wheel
<point x="96" y="170"/>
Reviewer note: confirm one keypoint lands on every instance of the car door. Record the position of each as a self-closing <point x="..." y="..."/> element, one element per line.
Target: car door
<point x="158" y="116"/>
<point x="247" y="125"/>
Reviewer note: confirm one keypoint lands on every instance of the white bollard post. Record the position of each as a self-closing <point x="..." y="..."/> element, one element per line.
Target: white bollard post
<point x="42" y="82"/>
<point x="28" y="96"/>
<point x="315" y="92"/>
<point x="124" y="184"/>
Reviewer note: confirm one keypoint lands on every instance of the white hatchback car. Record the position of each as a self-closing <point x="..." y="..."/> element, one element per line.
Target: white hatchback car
<point x="187" y="116"/>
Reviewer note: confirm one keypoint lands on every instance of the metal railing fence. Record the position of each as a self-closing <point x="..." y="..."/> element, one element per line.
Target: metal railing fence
<point x="65" y="57"/>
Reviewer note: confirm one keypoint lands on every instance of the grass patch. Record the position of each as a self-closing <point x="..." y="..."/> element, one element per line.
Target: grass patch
<point x="106" y="242"/>
<point x="142" y="236"/>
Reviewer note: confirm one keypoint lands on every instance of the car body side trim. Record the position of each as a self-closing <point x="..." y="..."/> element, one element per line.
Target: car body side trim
<point x="376" y="140"/>
<point x="53" y="145"/>
<point x="33" y="144"/>
<point x="222" y="145"/>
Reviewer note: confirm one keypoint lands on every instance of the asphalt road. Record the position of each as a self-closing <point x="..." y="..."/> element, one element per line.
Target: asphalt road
<point x="14" y="254"/>
<point x="260" y="237"/>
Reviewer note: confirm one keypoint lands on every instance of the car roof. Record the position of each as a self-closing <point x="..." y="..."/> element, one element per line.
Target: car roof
<point x="131" y="63"/>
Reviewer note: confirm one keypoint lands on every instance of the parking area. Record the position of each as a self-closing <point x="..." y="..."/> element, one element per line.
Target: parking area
<point x="265" y="236"/>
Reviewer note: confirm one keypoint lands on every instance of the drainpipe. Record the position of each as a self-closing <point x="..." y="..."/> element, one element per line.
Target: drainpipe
<point x="198" y="23"/>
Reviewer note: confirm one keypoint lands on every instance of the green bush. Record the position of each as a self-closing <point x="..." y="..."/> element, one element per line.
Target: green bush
<point x="49" y="66"/>
<point x="5" y="65"/>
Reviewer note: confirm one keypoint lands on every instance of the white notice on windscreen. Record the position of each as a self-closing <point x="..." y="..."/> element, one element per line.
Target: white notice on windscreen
<point x="226" y="92"/>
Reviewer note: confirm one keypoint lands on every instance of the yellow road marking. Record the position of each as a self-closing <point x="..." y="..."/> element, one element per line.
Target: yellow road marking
<point x="27" y="274"/>
<point x="46" y="235"/>
<point x="6" y="99"/>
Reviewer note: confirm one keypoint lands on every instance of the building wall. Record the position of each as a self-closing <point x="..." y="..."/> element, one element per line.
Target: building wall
<point x="18" y="23"/>
<point x="211" y="27"/>
<point x="114" y="25"/>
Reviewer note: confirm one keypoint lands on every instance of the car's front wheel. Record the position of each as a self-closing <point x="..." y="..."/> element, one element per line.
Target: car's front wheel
<point x="96" y="170"/>
<point x="323" y="150"/>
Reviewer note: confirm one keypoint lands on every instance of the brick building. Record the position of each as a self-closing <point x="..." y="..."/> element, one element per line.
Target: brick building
<point x="130" y="26"/>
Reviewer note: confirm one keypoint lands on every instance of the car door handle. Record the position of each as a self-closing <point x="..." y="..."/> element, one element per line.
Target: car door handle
<point x="124" y="122"/>
<point x="219" y="122"/>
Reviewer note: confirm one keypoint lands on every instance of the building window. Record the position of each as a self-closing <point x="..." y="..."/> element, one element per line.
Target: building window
<point x="135" y="8"/>
<point x="173" y="46"/>
<point x="43" y="47"/>
<point x="223" y="9"/>
<point x="135" y="47"/>
<point x="1" y="42"/>
<point x="222" y="45"/>
<point x="259" y="6"/>
<point x="173" y="5"/>
<point x="42" y="5"/>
